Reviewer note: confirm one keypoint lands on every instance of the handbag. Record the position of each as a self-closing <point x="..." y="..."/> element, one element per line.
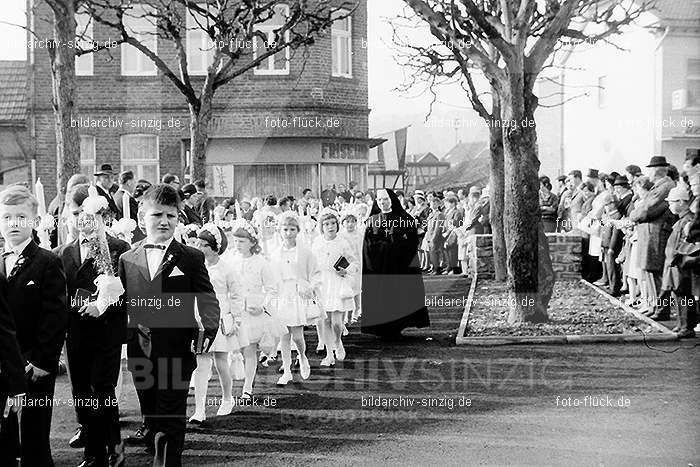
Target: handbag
<point x="226" y="324"/>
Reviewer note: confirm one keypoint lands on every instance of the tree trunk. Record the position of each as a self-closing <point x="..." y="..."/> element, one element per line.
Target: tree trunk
<point x="525" y="241"/>
<point x="496" y="182"/>
<point x="199" y="136"/>
<point x="63" y="87"/>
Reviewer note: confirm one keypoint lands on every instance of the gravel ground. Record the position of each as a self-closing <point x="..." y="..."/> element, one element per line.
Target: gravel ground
<point x="574" y="309"/>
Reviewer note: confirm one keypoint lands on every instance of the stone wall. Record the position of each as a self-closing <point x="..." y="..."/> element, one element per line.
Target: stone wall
<point x="564" y="249"/>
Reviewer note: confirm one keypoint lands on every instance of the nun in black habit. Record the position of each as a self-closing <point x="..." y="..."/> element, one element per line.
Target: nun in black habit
<point x="393" y="295"/>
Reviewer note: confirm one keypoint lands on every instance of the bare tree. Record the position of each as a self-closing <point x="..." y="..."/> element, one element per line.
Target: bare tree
<point x="524" y="33"/>
<point x="232" y="27"/>
<point x="62" y="48"/>
<point x="432" y="66"/>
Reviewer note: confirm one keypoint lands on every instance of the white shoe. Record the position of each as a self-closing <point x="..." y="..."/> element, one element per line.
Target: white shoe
<point x="328" y="361"/>
<point x="304" y="367"/>
<point x="197" y="418"/>
<point x="345" y="330"/>
<point x="285" y="378"/>
<point x="340" y="352"/>
<point x="225" y="408"/>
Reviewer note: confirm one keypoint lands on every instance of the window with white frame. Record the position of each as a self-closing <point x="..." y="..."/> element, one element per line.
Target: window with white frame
<point x="83" y="34"/>
<point x="277" y="64"/>
<point x="142" y="27"/>
<point x="139" y="153"/>
<point x="200" y="47"/>
<point x="87" y="155"/>
<point x="602" y="92"/>
<point x="693" y="82"/>
<point x="341" y="37"/>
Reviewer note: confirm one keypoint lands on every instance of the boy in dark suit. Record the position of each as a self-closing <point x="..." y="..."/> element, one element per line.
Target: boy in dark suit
<point x="94" y="342"/>
<point x="162" y="278"/>
<point x="36" y="295"/>
<point x="12" y="382"/>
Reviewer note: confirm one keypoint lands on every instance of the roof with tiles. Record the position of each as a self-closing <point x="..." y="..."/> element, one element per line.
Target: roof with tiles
<point x="13" y="99"/>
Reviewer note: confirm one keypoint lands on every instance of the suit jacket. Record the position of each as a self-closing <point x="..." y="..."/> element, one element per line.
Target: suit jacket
<point x="110" y="201"/>
<point x="453" y="220"/>
<point x="36" y="295"/>
<point x="110" y="328"/>
<point x="675" y="278"/>
<point x="654" y="225"/>
<point x="12" y="380"/>
<point x="166" y="304"/>
<point x="436" y="227"/>
<point x="624" y="207"/>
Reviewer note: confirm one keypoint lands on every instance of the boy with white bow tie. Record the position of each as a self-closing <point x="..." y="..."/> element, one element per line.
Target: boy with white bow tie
<point x="162" y="278"/>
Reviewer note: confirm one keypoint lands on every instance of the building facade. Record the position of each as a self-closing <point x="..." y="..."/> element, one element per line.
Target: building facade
<point x="299" y="120"/>
<point x="422" y="168"/>
<point x="607" y="107"/>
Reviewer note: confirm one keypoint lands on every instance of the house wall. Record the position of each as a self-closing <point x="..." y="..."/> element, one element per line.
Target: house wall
<point x="240" y="108"/>
<point x="607" y="131"/>
<point x="680" y="128"/>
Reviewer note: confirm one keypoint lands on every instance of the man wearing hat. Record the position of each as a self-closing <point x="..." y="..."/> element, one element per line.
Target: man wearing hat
<point x="676" y="280"/>
<point x="654" y="226"/>
<point x="624" y="196"/>
<point x="103" y="182"/>
<point x="594" y="177"/>
<point x="188" y="215"/>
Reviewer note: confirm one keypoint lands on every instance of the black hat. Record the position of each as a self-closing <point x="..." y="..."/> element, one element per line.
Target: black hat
<point x="561" y="178"/>
<point x="189" y="189"/>
<point x="592" y="173"/>
<point x="621" y="181"/>
<point x="105" y="169"/>
<point x="692" y="154"/>
<point x="658" y="161"/>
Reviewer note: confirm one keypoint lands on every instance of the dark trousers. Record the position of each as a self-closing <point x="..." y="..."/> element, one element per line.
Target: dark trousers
<point x="688" y="315"/>
<point x="613" y="270"/>
<point x="34" y="425"/>
<point x="435" y="254"/>
<point x="94" y="372"/>
<point x="451" y="251"/>
<point x="162" y="385"/>
<point x="591" y="269"/>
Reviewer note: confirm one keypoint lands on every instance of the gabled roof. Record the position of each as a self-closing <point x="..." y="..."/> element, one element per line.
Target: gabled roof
<point x="13" y="101"/>
<point x="424" y="158"/>
<point x="464" y="151"/>
<point x="677" y="11"/>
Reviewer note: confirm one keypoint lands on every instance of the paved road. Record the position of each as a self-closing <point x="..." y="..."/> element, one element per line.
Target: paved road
<point x="454" y="406"/>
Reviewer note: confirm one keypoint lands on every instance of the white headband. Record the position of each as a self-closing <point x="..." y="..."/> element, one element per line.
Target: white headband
<point x="247" y="226"/>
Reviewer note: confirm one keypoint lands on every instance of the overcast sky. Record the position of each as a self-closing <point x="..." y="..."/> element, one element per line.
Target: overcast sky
<point x="389" y="108"/>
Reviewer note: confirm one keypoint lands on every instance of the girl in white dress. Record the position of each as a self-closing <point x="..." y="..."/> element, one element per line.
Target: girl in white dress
<point x="254" y="296"/>
<point x="212" y="242"/>
<point x="355" y="236"/>
<point x="336" y="283"/>
<point x="299" y="280"/>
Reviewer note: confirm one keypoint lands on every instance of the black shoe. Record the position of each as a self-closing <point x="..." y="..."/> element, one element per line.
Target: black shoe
<point x="686" y="333"/>
<point x="661" y="316"/>
<point x="79" y="439"/>
<point x="116" y="458"/>
<point x="88" y="461"/>
<point x="141" y="436"/>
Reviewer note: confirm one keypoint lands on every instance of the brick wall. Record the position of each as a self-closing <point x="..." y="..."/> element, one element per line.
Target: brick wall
<point x="564" y="249"/>
<point x="240" y="107"/>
